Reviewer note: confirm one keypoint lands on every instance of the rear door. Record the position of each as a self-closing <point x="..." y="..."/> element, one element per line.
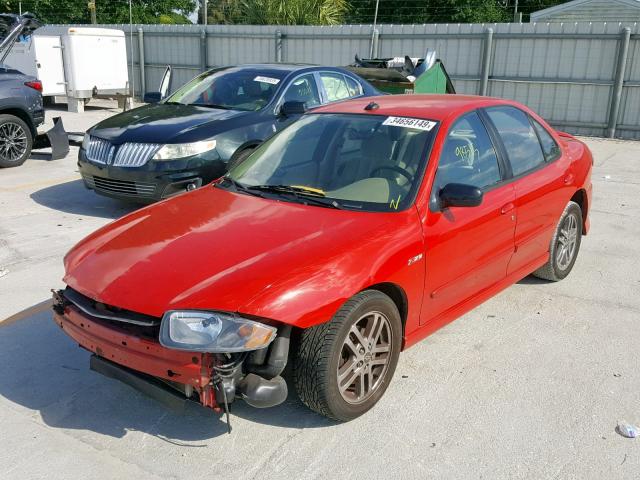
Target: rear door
<point x="336" y="86"/>
<point x="467" y="249"/>
<point x="48" y="57"/>
<point x="541" y="182"/>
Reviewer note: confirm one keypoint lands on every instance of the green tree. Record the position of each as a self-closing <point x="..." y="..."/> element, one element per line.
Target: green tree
<point x="107" y="11"/>
<point x="278" y="12"/>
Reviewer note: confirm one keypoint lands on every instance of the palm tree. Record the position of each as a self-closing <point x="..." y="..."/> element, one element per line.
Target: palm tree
<point x="278" y="12"/>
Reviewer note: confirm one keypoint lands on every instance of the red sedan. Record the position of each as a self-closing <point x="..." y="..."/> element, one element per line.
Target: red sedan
<point x="342" y="240"/>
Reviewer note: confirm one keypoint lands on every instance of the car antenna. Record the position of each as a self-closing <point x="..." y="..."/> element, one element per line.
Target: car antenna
<point x="372" y="106"/>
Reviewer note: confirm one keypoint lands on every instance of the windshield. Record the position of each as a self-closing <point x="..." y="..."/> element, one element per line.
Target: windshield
<point x="246" y="89"/>
<point x="366" y="162"/>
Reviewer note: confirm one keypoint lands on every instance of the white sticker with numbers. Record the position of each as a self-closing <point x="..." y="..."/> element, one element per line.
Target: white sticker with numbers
<point x="271" y="80"/>
<point x="407" y="122"/>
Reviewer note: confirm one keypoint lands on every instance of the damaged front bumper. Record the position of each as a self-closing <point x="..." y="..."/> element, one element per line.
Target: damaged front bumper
<point x="132" y="353"/>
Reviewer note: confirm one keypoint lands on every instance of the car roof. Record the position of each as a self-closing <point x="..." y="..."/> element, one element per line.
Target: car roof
<point x="429" y="107"/>
<point x="286" y="67"/>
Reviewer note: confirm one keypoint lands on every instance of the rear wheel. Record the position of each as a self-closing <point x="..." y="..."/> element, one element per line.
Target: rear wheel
<point x="565" y="245"/>
<point x="15" y="141"/>
<point x="343" y="367"/>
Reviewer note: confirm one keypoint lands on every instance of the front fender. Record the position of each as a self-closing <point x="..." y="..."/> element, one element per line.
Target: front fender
<point x="317" y="291"/>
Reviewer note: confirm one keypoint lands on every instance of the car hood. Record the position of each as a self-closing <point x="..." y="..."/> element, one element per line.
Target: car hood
<point x="162" y="123"/>
<point x="216" y="249"/>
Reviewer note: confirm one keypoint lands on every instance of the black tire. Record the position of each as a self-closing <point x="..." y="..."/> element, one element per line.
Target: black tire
<point x="321" y="352"/>
<point x="556" y="269"/>
<point x="239" y="157"/>
<point x="16" y="141"/>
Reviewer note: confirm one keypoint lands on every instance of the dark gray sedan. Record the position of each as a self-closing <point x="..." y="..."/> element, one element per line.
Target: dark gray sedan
<point x="214" y="121"/>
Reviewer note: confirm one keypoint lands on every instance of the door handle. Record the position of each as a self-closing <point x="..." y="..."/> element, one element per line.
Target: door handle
<point x="569" y="178"/>
<point x="507" y="208"/>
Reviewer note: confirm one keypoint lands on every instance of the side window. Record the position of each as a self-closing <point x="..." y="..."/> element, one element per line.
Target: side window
<point x="518" y="137"/>
<point x="467" y="156"/>
<point x="335" y="86"/>
<point x="550" y="148"/>
<point x="354" y="87"/>
<point x="303" y="89"/>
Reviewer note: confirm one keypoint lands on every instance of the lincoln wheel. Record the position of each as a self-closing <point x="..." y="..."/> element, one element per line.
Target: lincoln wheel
<point x="343" y="367"/>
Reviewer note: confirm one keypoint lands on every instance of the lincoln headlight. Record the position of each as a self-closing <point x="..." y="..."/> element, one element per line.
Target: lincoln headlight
<point x="215" y="332"/>
<point x="172" y="151"/>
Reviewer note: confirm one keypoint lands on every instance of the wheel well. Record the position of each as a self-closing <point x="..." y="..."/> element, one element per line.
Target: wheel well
<point x="399" y="297"/>
<point x="247" y="145"/>
<point x="580" y="197"/>
<point x="22" y="115"/>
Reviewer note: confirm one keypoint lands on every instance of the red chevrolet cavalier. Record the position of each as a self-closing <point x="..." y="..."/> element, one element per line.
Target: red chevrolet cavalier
<point x="342" y="240"/>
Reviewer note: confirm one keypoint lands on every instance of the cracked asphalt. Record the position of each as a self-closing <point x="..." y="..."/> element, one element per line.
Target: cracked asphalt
<point x="530" y="385"/>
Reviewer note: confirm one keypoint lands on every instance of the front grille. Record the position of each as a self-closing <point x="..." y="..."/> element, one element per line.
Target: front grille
<point x="107" y="312"/>
<point x="99" y="150"/>
<point x="120" y="187"/>
<point x="125" y="155"/>
<point x="135" y="154"/>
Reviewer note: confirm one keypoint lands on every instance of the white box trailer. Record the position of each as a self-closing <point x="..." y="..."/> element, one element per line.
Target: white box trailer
<point x="77" y="62"/>
<point x="41" y="56"/>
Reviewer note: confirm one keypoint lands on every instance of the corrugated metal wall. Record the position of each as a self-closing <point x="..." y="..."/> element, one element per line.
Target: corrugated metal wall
<point x="566" y="72"/>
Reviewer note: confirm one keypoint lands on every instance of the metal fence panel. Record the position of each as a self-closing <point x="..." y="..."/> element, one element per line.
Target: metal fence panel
<point x="565" y="71"/>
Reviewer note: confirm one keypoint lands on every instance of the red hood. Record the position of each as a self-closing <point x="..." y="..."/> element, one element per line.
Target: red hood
<point x="215" y="249"/>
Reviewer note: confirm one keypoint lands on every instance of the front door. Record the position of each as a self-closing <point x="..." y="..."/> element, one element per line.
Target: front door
<point x="467" y="248"/>
<point x="301" y="89"/>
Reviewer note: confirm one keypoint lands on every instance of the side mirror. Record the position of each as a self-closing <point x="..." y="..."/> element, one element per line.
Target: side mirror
<point x="293" y="108"/>
<point x="460" y="195"/>
<point x="152" y="97"/>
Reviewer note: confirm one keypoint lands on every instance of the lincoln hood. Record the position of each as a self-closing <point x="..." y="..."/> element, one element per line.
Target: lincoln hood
<point x="169" y="123"/>
<point x="219" y="250"/>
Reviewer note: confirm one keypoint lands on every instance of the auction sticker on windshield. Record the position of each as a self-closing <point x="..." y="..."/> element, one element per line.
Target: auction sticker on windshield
<point x="271" y="80"/>
<point x="407" y="122"/>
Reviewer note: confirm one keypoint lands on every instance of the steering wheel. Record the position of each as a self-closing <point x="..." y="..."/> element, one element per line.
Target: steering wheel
<point x="393" y="168"/>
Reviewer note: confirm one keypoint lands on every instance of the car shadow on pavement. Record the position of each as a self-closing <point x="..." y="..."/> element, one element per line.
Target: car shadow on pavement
<point x="43" y="370"/>
<point x="73" y="197"/>
<point x="532" y="280"/>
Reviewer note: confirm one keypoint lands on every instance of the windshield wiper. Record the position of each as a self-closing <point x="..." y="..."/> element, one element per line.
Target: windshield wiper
<point x="239" y="187"/>
<point x="305" y="195"/>
<point x="210" y="105"/>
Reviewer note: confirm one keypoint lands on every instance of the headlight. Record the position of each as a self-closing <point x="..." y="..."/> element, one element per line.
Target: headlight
<point x="172" y="151"/>
<point x="85" y="141"/>
<point x="200" y="331"/>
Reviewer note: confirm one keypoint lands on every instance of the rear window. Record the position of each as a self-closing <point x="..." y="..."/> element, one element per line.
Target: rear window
<point x="519" y="139"/>
<point x="550" y="148"/>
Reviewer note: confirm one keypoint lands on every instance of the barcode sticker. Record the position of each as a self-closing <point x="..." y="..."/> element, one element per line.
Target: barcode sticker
<point x="271" y="80"/>
<point x="407" y="122"/>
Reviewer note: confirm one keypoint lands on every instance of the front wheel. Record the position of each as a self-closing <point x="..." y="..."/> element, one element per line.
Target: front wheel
<point x="565" y="245"/>
<point x="343" y="367"/>
<point x="239" y="157"/>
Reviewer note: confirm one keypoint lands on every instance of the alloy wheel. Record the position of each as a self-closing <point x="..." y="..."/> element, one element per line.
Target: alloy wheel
<point x="364" y="357"/>
<point x="13" y="142"/>
<point x="567" y="240"/>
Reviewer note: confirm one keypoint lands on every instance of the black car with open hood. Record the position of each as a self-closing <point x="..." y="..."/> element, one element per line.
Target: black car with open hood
<point x="214" y="121"/>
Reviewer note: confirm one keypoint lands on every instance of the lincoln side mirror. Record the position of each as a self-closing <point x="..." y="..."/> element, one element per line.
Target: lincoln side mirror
<point x="460" y="195"/>
<point x="293" y="108"/>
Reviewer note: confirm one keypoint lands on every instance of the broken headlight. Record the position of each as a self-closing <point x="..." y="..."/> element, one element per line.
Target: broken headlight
<point x="215" y="332"/>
